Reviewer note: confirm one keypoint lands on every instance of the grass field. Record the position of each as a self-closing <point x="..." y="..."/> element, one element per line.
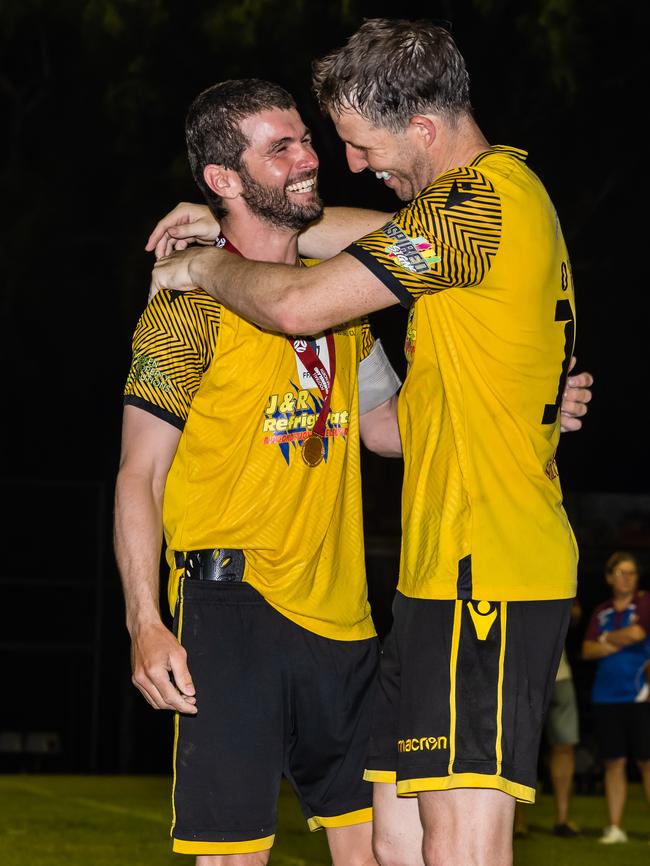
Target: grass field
<point x="124" y="821"/>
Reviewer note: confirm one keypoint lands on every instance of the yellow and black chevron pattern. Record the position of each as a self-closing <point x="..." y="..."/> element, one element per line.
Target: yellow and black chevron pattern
<point x="173" y="345"/>
<point x="455" y="225"/>
<point x="367" y="339"/>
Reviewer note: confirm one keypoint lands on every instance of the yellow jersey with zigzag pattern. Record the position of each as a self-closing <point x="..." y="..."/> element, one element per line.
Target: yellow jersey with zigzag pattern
<point x="244" y="403"/>
<point x="480" y="259"/>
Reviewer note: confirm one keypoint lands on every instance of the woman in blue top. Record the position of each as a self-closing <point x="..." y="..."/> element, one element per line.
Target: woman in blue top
<point x="618" y="638"/>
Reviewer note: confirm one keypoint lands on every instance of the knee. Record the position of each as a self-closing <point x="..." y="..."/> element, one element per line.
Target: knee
<point x="388" y="852"/>
<point x="259" y="858"/>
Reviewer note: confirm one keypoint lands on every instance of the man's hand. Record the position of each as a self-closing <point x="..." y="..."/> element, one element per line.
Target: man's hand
<point x="186" y="224"/>
<point x="173" y="271"/>
<point x="574" y="400"/>
<point x="160" y="669"/>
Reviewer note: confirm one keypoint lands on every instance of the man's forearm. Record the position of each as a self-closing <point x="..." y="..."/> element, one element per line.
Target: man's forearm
<point x="260" y="292"/>
<point x="379" y="429"/>
<point x="337" y="229"/>
<point x="278" y="297"/>
<point x="138" y="541"/>
<point x="592" y="650"/>
<point x="627" y="636"/>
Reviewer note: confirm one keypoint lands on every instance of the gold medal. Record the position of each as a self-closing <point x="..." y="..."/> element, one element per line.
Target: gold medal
<point x="313" y="449"/>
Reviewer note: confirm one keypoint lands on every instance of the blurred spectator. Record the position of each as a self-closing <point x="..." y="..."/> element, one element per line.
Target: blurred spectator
<point x="617" y="638"/>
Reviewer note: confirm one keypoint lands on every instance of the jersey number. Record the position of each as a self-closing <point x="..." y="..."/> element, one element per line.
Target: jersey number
<point x="563" y="313"/>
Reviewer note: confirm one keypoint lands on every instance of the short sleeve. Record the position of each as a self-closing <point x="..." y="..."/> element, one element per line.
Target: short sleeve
<point x="446" y="237"/>
<point x="173" y="346"/>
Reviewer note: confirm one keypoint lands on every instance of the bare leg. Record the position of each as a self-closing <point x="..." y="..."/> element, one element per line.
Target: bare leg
<point x="397" y="835"/>
<point x="561" y="766"/>
<point x="467" y="827"/>
<point x="644" y="767"/>
<point x="351" y="846"/>
<point x="259" y="858"/>
<point x="615" y="789"/>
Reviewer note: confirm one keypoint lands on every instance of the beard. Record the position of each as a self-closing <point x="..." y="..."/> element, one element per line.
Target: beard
<point x="274" y="205"/>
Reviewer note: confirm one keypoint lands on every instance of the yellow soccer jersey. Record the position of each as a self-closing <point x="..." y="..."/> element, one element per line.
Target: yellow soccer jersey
<point x="480" y="259"/>
<point x="244" y="403"/>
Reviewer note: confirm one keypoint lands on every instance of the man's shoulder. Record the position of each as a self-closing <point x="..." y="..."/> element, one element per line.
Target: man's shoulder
<point x="172" y="303"/>
<point x="482" y="174"/>
<point x="500" y="158"/>
<point x="191" y="312"/>
<point x="173" y="322"/>
<point x="461" y="189"/>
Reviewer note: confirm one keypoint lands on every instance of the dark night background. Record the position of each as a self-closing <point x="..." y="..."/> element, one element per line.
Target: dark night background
<point x="93" y="95"/>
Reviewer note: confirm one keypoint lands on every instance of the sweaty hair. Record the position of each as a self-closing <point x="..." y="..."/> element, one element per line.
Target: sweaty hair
<point x="212" y="126"/>
<point x="391" y="70"/>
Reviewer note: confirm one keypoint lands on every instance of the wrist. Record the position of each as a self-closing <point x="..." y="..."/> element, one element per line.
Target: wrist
<point x="139" y="622"/>
<point x="602" y="637"/>
<point x="194" y="269"/>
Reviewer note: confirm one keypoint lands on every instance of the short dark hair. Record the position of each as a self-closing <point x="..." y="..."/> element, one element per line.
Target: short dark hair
<point x="392" y="69"/>
<point x="212" y="126"/>
<point x="617" y="558"/>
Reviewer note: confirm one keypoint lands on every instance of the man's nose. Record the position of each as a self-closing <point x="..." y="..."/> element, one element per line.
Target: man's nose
<point x="356" y="161"/>
<point x="307" y="161"/>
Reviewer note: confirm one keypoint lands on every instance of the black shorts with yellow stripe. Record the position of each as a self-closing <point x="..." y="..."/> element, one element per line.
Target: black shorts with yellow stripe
<point x="273" y="699"/>
<point x="463" y="690"/>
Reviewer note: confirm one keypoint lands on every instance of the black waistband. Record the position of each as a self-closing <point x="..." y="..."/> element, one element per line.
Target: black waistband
<point x="219" y="563"/>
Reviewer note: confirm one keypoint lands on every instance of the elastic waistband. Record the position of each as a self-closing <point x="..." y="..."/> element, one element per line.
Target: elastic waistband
<point x="218" y="563"/>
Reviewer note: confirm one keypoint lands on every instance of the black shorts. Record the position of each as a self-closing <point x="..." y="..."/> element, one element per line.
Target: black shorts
<point x="463" y="691"/>
<point x="623" y="730"/>
<point x="273" y="699"/>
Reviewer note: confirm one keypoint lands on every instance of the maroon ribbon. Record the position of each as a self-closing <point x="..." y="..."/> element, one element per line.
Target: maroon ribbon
<point x="318" y="371"/>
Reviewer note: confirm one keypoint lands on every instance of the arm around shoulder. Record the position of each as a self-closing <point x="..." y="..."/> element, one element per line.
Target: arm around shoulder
<point x="278" y="297"/>
<point x="338" y="228"/>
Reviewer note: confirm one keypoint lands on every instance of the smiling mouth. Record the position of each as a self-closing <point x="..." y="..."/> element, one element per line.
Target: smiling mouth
<point x="303" y="186"/>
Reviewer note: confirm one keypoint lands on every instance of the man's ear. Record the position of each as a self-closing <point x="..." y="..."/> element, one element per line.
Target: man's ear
<point x="424" y="127"/>
<point x="223" y="181"/>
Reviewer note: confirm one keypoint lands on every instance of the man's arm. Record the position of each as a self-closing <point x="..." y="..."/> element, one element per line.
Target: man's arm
<point x="191" y="223"/>
<point x="576" y="395"/>
<point x="148" y="448"/>
<point x="379" y="430"/>
<point x="626" y="636"/>
<point x="307" y="300"/>
<point x="638" y="628"/>
<point x="592" y="650"/>
<point x="278" y="297"/>
<point x="337" y="229"/>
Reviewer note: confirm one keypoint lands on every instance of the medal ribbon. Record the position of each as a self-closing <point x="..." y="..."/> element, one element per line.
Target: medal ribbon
<point x="309" y="358"/>
<point x="318" y="371"/>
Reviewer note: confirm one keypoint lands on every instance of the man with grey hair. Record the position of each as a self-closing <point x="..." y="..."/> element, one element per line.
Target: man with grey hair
<point x="488" y="563"/>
